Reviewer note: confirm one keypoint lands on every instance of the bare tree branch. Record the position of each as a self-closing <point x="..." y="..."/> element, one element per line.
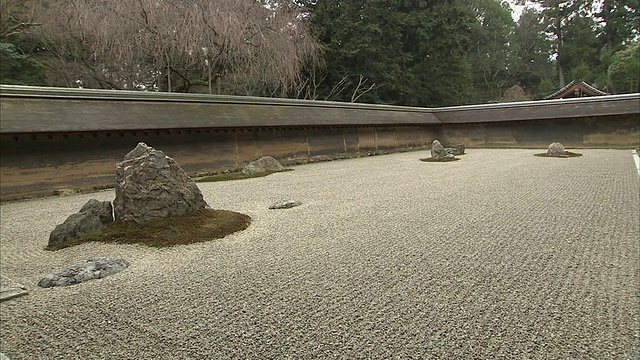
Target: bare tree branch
<point x="358" y="91"/>
<point x="244" y="47"/>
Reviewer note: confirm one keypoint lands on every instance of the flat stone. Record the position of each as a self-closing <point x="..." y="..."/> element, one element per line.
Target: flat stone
<point x="10" y="289"/>
<point x="287" y="204"/>
<point x="97" y="268"/>
<point x="457" y="150"/>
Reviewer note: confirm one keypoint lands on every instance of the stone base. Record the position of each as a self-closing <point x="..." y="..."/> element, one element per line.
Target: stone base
<point x="10" y="289"/>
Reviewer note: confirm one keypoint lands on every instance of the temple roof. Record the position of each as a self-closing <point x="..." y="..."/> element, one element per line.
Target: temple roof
<point x="576" y="89"/>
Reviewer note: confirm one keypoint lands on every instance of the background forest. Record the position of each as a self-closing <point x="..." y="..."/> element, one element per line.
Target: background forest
<point x="403" y="52"/>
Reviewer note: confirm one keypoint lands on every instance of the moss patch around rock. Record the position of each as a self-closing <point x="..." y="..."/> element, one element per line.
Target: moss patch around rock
<point x="440" y="160"/>
<point x="567" y="154"/>
<point x="202" y="225"/>
<point x="236" y="176"/>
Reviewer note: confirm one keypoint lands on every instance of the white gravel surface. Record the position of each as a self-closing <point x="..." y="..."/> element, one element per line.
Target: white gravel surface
<point x="501" y="255"/>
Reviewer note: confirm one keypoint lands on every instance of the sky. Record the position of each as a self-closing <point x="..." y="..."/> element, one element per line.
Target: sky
<point x="517" y="9"/>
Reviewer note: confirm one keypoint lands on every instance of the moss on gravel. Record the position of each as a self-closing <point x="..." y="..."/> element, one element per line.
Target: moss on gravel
<point x="440" y="160"/>
<point x="199" y="226"/>
<point x="567" y="154"/>
<point x="236" y="176"/>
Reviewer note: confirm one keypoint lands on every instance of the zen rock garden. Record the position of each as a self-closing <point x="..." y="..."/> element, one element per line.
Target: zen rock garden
<point x="151" y="189"/>
<point x="441" y="154"/>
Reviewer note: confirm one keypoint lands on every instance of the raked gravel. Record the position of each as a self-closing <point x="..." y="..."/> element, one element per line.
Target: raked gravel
<point x="501" y="255"/>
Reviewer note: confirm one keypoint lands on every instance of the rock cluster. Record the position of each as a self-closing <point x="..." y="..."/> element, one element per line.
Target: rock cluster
<point x="150" y="185"/>
<point x="439" y="152"/>
<point x="87" y="270"/>
<point x="91" y="218"/>
<point x="265" y="163"/>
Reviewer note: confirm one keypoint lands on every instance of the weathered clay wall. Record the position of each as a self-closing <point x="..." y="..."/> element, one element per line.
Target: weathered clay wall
<point x="45" y="164"/>
<point x="54" y="139"/>
<point x="621" y="131"/>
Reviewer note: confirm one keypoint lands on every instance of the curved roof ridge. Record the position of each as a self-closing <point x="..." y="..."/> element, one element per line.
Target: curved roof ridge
<point x="591" y="90"/>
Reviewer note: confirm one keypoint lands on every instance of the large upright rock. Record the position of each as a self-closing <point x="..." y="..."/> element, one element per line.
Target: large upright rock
<point x="437" y="150"/>
<point x="150" y="185"/>
<point x="91" y="218"/>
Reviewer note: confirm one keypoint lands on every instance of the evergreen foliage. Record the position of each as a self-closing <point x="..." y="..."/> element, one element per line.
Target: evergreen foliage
<point x="625" y="70"/>
<point x="19" y="69"/>
<point x="414" y="51"/>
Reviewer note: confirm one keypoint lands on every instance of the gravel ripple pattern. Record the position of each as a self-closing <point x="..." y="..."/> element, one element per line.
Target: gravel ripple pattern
<point x="502" y="255"/>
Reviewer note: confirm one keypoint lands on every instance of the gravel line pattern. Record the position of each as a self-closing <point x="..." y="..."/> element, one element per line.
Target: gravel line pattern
<point x="502" y="255"/>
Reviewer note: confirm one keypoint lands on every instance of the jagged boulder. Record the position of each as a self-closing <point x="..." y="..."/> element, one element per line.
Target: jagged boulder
<point x="437" y="150"/>
<point x="150" y="185"/>
<point x="265" y="163"/>
<point x="87" y="270"/>
<point x="91" y="218"/>
<point x="556" y="149"/>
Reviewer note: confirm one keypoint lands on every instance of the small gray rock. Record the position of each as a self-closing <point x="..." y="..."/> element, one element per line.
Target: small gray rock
<point x="250" y="170"/>
<point x="457" y="150"/>
<point x="91" y="218"/>
<point x="285" y="204"/>
<point x="87" y="270"/>
<point x="556" y="149"/>
<point x="265" y="163"/>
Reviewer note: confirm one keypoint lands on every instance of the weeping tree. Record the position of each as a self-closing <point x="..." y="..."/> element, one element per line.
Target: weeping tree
<point x="227" y="46"/>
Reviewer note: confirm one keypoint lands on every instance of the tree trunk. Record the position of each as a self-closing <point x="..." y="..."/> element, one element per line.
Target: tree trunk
<point x="209" y="76"/>
<point x="168" y="78"/>
<point x="560" y="59"/>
